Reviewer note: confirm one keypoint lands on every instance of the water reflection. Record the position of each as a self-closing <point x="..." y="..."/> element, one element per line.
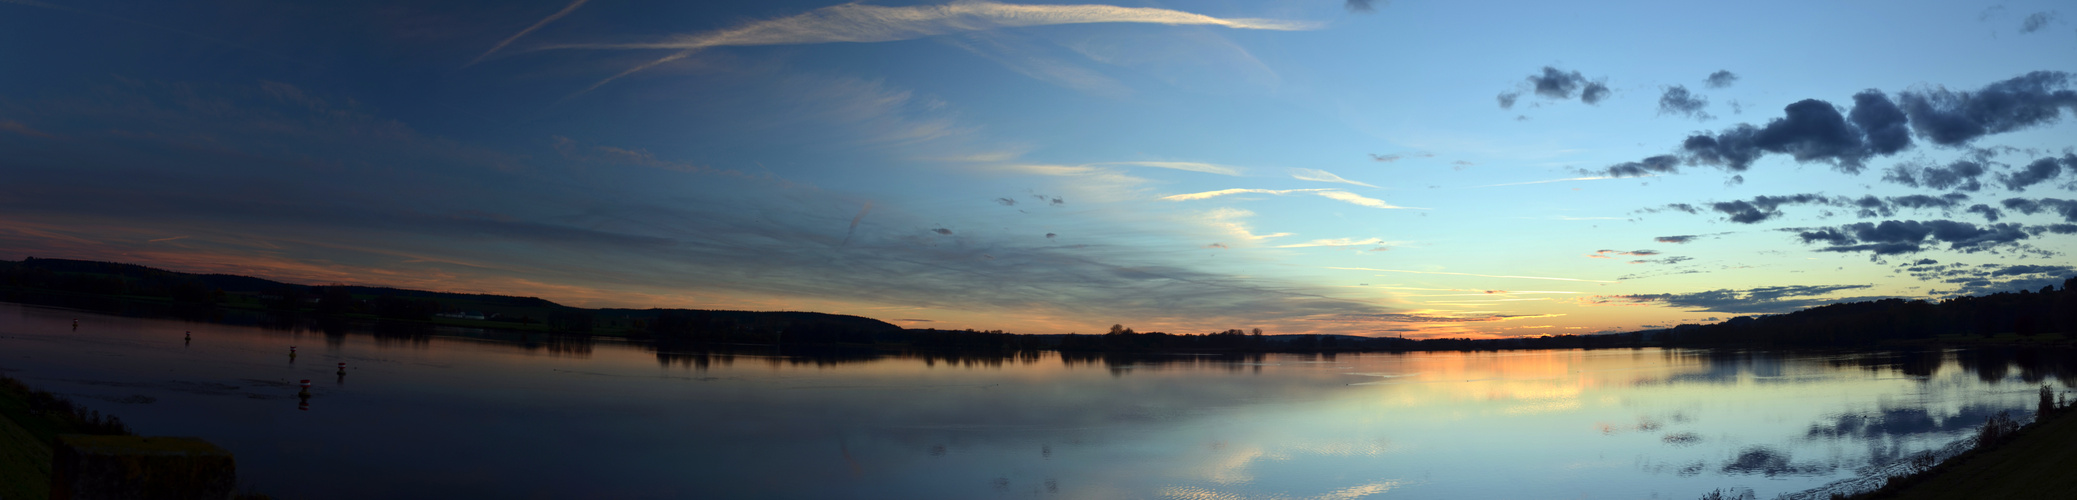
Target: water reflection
<point x="559" y="345"/>
<point x="1771" y="462"/>
<point x="1894" y="423"/>
<point x="662" y="421"/>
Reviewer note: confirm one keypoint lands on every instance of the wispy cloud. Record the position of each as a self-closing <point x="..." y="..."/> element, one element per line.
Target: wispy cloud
<point x="1341" y="242"/>
<point x="1568" y="179"/>
<point x="19" y="128"/>
<point x="1610" y="254"/>
<point x="1307" y="174"/>
<point x="529" y="29"/>
<point x="1349" y="197"/>
<point x="1336" y="195"/>
<point x="1224" y="192"/>
<point x="1232" y="220"/>
<point x="1770" y="299"/>
<point x="1180" y="165"/>
<point x="1469" y="274"/>
<point x="857" y="23"/>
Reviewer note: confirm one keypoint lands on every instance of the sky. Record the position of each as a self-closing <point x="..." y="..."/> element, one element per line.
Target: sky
<point x="1380" y="168"/>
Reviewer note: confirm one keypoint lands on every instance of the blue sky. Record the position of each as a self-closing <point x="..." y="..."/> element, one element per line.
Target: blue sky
<point x="1373" y="168"/>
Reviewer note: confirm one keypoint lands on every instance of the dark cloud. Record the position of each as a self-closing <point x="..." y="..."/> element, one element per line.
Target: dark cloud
<point x="1386" y="158"/>
<point x="1989" y="214"/>
<point x="1557" y="84"/>
<point x="1810" y="130"/>
<point x="1594" y="93"/>
<point x="1662" y="164"/>
<point x="1678" y="101"/>
<point x="1554" y="83"/>
<point x="1945" y="201"/>
<point x="1006" y="202"/>
<point x="1813" y="130"/>
<point x="2034" y="22"/>
<point x="1981" y="279"/>
<point x="1732" y="149"/>
<point x="1675" y="239"/>
<point x="1902" y="237"/>
<point x="1885" y="126"/>
<point x="942" y="231"/>
<point x="1953" y="118"/>
<point x="1872" y="207"/>
<point x="1762" y="300"/>
<point x="2067" y="209"/>
<point x="1364" y="5"/>
<point x="1961" y="175"/>
<point x="2039" y="171"/>
<point x="1610" y="254"/>
<point x="1720" y="79"/>
<point x="1763" y="207"/>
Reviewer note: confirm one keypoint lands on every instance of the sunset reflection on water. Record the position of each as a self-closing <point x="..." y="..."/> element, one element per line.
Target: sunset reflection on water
<point x="439" y="412"/>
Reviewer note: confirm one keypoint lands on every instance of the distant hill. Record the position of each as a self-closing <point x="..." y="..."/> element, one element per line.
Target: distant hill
<point x="2026" y="315"/>
<point x="111" y="279"/>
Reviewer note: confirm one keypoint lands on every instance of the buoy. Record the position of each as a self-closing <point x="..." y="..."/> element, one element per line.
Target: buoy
<point x="342" y="367"/>
<point x="305" y="394"/>
<point x="291" y="353"/>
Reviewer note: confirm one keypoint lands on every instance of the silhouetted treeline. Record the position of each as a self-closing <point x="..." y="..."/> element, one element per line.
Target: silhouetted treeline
<point x="1852" y="324"/>
<point x="205" y="292"/>
<point x="688" y="326"/>
<point x="2025" y="313"/>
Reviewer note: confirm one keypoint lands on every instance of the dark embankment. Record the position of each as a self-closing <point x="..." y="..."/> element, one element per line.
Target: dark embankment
<point x="2010" y="462"/>
<point x="30" y="422"/>
<point x="134" y="290"/>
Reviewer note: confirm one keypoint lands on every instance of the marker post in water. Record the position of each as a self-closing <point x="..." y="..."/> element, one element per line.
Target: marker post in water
<point x="342" y="367"/>
<point x="305" y="394"/>
<point x="292" y="353"/>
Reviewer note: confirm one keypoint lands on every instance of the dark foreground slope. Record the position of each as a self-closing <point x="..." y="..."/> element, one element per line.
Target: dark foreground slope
<point x="2042" y="464"/>
<point x="2036" y="461"/>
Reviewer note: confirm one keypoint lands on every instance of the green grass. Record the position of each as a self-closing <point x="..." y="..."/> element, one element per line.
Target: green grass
<point x="24" y="463"/>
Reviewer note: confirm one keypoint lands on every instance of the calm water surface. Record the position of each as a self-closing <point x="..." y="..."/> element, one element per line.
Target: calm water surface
<point x="453" y="413"/>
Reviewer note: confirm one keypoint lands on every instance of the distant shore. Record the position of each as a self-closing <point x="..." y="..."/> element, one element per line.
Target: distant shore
<point x="2025" y="317"/>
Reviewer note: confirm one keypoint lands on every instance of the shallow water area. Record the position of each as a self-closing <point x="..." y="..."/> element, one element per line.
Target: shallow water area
<point x="456" y="413"/>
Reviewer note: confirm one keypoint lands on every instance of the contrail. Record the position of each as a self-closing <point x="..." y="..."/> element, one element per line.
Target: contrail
<point x="854" y="223"/>
<point x="1562" y="180"/>
<point x="857" y="23"/>
<point x="1469" y="274"/>
<point x="530" y="29"/>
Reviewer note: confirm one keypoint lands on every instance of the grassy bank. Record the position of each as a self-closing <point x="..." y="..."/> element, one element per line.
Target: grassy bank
<point x="30" y="422"/>
<point x="2034" y="462"/>
<point x="24" y="463"/>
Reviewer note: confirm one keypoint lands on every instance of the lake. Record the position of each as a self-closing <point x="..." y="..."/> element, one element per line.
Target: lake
<point x="457" y="413"/>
